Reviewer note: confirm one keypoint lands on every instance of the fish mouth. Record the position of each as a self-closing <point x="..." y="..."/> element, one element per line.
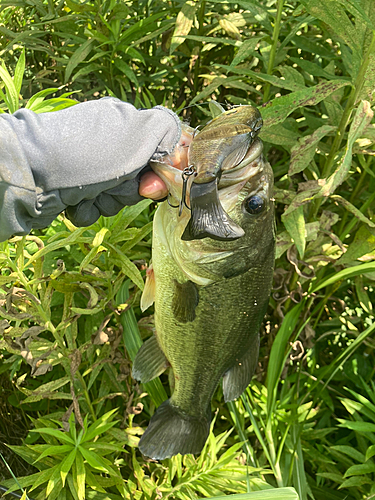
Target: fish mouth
<point x="210" y="201"/>
<point x="209" y="218"/>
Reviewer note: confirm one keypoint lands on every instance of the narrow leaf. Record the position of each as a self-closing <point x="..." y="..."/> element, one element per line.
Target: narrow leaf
<point x="67" y="464"/>
<point x="78" y="56"/>
<point x="281" y="107"/>
<point x="271" y="494"/>
<point x="184" y="22"/>
<point x="19" y="72"/>
<point x="303" y="152"/>
<point x="80" y="473"/>
<point x="294" y="223"/>
<point x="60" y="435"/>
<point x="11" y="97"/>
<point x="247" y="49"/>
<point x="360" y="469"/>
<point x="352" y="209"/>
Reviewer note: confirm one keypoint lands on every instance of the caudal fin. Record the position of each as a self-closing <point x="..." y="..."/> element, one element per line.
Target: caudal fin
<point x="171" y="432"/>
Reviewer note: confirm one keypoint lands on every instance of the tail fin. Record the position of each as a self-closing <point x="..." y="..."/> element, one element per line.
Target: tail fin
<point x="208" y="218"/>
<point x="171" y="431"/>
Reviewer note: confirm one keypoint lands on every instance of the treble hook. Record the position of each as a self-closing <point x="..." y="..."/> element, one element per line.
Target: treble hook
<point x="186" y="173"/>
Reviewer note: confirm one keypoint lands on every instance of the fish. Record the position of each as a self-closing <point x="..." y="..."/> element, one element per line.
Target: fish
<point x="210" y="294"/>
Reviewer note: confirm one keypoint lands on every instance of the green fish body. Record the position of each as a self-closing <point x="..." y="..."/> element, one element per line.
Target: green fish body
<point x="210" y="299"/>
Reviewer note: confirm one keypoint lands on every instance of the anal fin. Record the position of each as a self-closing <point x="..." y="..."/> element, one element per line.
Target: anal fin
<point x="239" y="376"/>
<point x="150" y="361"/>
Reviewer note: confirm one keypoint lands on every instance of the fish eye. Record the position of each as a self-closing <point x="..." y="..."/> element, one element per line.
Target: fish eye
<point x="255" y="204"/>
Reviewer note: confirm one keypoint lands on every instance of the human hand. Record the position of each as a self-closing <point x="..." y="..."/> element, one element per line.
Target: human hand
<point x="151" y="185"/>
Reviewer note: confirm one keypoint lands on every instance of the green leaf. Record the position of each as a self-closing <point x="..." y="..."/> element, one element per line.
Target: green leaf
<point x="11" y="98"/>
<point x="37" y="98"/>
<point x="184" y="22"/>
<point x="80" y="476"/>
<point x="67" y="464"/>
<point x="279" y="134"/>
<point x="78" y="56"/>
<point x="19" y="72"/>
<point x="354" y="481"/>
<point x="101" y="425"/>
<point x="45" y="389"/>
<point x="246" y="49"/>
<point x="360" y="469"/>
<point x="370" y="452"/>
<point x="345" y="274"/>
<point x="272" y="494"/>
<point x="352" y="209"/>
<point x="357" y="426"/>
<point x="216" y="109"/>
<point x="363" y="243"/>
<point x="52" y="451"/>
<point x="304" y="151"/>
<point x="294" y="223"/>
<point x="60" y="435"/>
<point x="128" y="267"/>
<point x="350" y="451"/>
<point x="96" y="461"/>
<point x="54" y="482"/>
<point x="361" y="120"/>
<point x="43" y="476"/>
<point x="281" y="107"/>
<point x="126" y="69"/>
<point x="216" y="83"/>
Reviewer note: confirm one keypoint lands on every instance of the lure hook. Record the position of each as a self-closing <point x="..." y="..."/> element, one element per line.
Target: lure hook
<point x="186" y="173"/>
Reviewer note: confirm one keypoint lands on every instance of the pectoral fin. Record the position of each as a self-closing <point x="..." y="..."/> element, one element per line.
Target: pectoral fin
<point x="239" y="376"/>
<point x="148" y="295"/>
<point x="185" y="300"/>
<point x="150" y="361"/>
<point x="208" y="218"/>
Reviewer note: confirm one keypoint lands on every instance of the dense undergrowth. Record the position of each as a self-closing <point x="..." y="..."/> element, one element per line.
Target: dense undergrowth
<point x="70" y="322"/>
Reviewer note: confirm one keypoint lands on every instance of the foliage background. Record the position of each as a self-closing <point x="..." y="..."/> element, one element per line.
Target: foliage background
<point x="69" y="298"/>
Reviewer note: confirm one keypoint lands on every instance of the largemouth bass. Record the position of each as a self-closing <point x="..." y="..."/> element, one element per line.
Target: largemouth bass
<point x="210" y="295"/>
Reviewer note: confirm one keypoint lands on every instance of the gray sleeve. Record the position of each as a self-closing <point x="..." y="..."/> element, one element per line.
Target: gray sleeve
<point x="85" y="159"/>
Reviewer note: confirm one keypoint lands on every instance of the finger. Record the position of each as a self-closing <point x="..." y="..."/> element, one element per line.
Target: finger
<point x="151" y="186"/>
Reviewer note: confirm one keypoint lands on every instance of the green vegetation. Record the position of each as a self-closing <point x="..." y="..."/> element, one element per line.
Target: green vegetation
<point x="70" y="322"/>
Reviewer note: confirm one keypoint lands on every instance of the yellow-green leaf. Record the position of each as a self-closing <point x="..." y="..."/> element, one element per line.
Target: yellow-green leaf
<point x="184" y="22"/>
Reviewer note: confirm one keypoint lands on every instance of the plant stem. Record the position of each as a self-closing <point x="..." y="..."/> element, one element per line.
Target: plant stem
<point x="276" y="464"/>
<point x="275" y="39"/>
